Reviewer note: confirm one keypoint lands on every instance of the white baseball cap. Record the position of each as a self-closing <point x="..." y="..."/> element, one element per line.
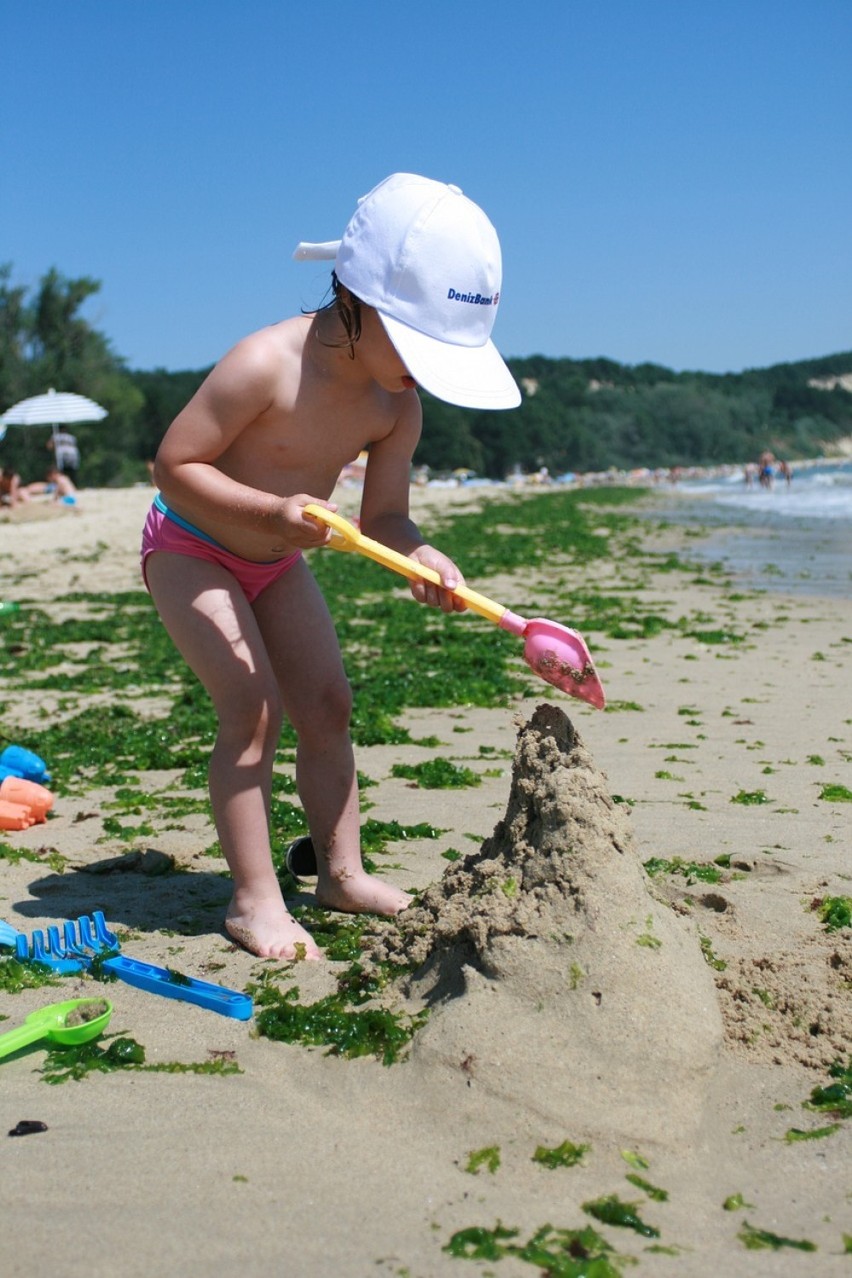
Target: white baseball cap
<point x="428" y="260"/>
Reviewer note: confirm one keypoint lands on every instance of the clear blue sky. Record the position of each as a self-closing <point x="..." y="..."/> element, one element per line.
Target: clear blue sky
<point x="671" y="179"/>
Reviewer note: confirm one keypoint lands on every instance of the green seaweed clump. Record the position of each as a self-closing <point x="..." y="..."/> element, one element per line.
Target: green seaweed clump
<point x="690" y="870"/>
<point x="375" y="835"/>
<point x="735" y="1202"/>
<point x="836" y="1098"/>
<point x="750" y="798"/>
<point x="814" y="1133"/>
<point x="50" y="857"/>
<point x="178" y="978"/>
<point x="489" y="1158"/>
<point x="836" y="794"/>
<point x="761" y="1239"/>
<point x="437" y="774"/>
<point x="647" y="938"/>
<point x="612" y="1211"/>
<point x="65" y="1063"/>
<point x="709" y="956"/>
<point x="653" y="1191"/>
<point x="331" y="1022"/>
<point x="565" y="1155"/>
<point x="557" y="1253"/>
<point x="338" y="936"/>
<point x="16" y="975"/>
<point x="835" y="912"/>
<point x="97" y="969"/>
<point x="715" y="636"/>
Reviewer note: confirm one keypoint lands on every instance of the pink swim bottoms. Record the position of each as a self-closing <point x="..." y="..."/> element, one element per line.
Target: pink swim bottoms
<point x="166" y="531"/>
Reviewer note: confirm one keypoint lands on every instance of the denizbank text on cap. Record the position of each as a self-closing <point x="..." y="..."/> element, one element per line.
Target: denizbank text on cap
<point x="475" y="299"/>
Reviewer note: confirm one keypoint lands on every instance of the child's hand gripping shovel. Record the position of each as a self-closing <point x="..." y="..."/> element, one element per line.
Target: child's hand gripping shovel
<point x="555" y="653"/>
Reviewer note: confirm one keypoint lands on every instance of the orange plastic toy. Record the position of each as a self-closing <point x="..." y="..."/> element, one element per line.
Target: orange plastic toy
<point x="29" y="794"/>
<point x="15" y="816"/>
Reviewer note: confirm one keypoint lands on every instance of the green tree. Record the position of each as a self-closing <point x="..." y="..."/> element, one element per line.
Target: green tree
<point x="13" y="340"/>
<point x="44" y="342"/>
<point x="164" y="394"/>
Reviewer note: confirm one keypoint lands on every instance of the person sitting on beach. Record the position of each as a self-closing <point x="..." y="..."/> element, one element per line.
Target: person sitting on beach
<point x="56" y="485"/>
<point x="415" y="286"/>
<point x="12" y="491"/>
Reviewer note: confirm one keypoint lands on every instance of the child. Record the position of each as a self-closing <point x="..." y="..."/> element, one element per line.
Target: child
<point x="416" y="285"/>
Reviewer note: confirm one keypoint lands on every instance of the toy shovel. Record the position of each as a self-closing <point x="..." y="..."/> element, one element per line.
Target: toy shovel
<point x="555" y="653"/>
<point x="75" y="1021"/>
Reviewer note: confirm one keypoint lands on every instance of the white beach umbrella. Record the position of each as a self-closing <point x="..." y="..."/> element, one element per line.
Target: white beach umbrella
<point x="55" y="408"/>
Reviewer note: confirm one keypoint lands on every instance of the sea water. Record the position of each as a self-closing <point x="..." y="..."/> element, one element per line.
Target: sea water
<point x="793" y="538"/>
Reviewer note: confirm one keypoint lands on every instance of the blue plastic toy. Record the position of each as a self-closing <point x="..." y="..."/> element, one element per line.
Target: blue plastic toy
<point x="91" y="937"/>
<point x="17" y="762"/>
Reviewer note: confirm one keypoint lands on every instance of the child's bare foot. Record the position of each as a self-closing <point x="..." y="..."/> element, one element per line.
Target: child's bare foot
<point x="361" y="893"/>
<point x="266" y="929"/>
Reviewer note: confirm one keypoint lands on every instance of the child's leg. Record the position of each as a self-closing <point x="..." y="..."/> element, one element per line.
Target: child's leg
<point x="300" y="638"/>
<point x="214" y="628"/>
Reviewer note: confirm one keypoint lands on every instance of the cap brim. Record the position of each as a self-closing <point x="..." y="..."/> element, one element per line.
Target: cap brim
<point x="470" y="376"/>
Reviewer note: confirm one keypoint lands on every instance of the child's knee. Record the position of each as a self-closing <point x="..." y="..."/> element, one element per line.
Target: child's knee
<point x="331" y="710"/>
<point x="254" y="717"/>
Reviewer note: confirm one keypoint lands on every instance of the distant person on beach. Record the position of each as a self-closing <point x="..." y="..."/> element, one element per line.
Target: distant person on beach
<point x="766" y="470"/>
<point x="749" y="473"/>
<point x="56" y="485"/>
<point x="66" y="453"/>
<point x="785" y="472"/>
<point x="12" y="491"/>
<point x="415" y="288"/>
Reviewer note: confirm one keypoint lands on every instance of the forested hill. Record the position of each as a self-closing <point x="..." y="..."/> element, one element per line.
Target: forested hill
<point x="592" y="414"/>
<point x="576" y="415"/>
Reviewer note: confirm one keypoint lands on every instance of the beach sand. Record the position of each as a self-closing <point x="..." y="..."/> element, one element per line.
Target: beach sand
<point x="673" y="1026"/>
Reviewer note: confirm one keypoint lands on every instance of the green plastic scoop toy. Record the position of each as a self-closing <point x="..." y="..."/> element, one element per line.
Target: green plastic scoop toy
<point x="554" y="652"/>
<point x="75" y="1021"/>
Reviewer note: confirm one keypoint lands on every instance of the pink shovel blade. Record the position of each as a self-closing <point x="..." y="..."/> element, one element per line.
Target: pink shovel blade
<point x="560" y="656"/>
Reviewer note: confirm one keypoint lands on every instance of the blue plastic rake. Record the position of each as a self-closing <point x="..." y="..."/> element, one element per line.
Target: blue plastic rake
<point x="88" y="939"/>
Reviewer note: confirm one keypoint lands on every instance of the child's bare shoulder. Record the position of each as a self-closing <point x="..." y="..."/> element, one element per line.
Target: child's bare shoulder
<point x="270" y="344"/>
<point x="259" y="362"/>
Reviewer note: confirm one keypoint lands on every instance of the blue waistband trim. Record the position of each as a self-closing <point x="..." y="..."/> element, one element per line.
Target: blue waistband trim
<point x="184" y="523"/>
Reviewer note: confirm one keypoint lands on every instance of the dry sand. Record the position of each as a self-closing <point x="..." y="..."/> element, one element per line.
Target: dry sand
<point x="570" y="998"/>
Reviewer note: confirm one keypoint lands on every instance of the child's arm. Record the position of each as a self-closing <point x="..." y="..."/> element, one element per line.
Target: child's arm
<point x="238" y="390"/>
<point x="385" y="514"/>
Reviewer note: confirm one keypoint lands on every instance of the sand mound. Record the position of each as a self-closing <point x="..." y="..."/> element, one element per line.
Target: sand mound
<point x="557" y="980"/>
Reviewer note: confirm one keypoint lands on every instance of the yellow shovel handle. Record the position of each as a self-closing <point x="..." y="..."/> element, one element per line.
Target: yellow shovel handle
<point x="345" y="536"/>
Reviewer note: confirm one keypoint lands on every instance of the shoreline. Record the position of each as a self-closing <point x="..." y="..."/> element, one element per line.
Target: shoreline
<point x="727" y="693"/>
<point x="789" y="554"/>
